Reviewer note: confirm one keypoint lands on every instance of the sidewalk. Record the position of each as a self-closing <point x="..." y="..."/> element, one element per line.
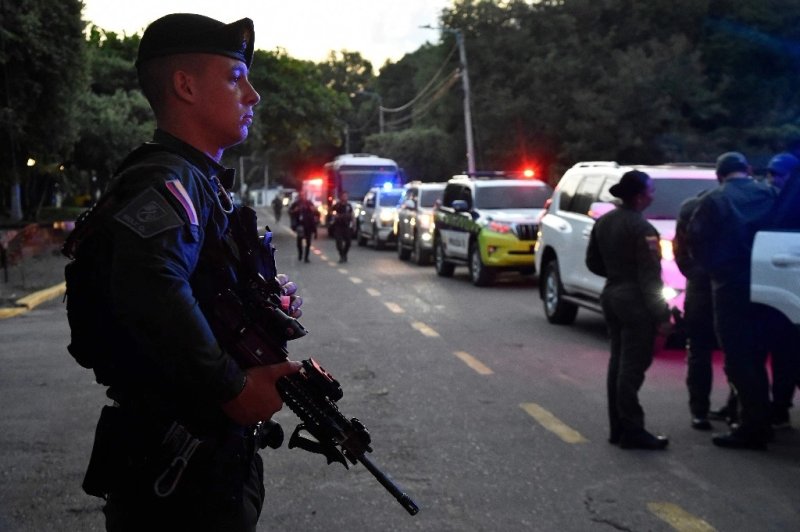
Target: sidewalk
<point x="38" y="279"/>
<point x="32" y="282"/>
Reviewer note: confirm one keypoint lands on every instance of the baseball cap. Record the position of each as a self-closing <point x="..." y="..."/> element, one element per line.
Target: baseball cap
<point x="730" y="162"/>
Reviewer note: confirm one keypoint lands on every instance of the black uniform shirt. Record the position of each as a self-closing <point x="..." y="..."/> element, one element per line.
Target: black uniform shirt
<point x="166" y="213"/>
<point x="624" y="248"/>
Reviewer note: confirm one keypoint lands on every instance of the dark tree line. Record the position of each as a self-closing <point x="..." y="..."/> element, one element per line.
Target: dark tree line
<point x="553" y="82"/>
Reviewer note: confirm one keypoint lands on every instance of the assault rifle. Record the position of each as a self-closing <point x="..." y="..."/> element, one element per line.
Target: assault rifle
<point x="253" y="327"/>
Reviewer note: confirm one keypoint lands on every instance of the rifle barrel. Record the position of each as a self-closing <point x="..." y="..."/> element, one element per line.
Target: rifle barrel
<point x="406" y="501"/>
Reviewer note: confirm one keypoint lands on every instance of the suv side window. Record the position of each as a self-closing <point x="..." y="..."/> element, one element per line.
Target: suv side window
<point x="455" y="191"/>
<point x="369" y="199"/>
<point x="566" y="188"/>
<point x="587" y="193"/>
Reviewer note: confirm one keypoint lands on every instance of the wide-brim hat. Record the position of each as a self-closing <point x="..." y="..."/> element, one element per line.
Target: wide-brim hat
<point x="183" y="33"/>
<point x="631" y="183"/>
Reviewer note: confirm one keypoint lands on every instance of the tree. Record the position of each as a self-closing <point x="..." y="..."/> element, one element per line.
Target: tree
<point x="114" y="116"/>
<point x="298" y="121"/>
<point x="42" y="72"/>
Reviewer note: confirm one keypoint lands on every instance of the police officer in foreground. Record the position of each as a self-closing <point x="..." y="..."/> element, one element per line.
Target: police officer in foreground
<point x="177" y="450"/>
<point x="624" y="248"/>
<point x="721" y="234"/>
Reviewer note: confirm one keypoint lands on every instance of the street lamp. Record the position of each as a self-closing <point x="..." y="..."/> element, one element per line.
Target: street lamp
<point x="462" y="53"/>
<point x="380" y="106"/>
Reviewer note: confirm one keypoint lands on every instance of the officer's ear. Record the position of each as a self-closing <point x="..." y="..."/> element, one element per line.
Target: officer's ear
<point x="184" y="85"/>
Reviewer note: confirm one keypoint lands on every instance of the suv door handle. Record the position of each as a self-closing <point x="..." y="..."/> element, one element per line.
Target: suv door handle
<point x="587" y="232"/>
<point x="784" y="260"/>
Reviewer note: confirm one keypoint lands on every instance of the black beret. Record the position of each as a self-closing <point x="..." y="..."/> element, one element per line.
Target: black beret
<point x="184" y="33"/>
<point x="632" y="182"/>
<point x="731" y="162"/>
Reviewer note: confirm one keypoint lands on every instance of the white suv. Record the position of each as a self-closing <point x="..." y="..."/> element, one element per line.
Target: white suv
<point x="581" y="196"/>
<point x="413" y="224"/>
<point x="776" y="272"/>
<point x="375" y="216"/>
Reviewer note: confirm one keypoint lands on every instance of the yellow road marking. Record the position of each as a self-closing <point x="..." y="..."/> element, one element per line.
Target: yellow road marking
<point x="424" y="329"/>
<point x="373" y="292"/>
<point x="678" y="518"/>
<point x="552" y="423"/>
<point x="473" y="362"/>
<point x="394" y="307"/>
<point x="343" y="271"/>
<point x="356" y="280"/>
<point x="331" y="263"/>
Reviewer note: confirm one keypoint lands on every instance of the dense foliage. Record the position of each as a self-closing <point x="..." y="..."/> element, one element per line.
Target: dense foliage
<point x="552" y="82"/>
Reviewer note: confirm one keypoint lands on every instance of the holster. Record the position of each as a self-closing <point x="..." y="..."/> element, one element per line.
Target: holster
<point x="107" y="463"/>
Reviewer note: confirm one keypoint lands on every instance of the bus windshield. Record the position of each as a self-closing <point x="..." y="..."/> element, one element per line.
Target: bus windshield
<point x="358" y="180"/>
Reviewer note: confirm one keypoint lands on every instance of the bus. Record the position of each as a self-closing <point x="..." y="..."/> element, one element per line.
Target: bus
<point x="356" y="173"/>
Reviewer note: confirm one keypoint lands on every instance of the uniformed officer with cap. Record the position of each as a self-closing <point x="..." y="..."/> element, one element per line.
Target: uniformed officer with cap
<point x="720" y="237"/>
<point x="624" y="248"/>
<point x="164" y="216"/>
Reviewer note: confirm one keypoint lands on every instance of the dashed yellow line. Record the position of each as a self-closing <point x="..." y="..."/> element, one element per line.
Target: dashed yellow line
<point x="373" y="292"/>
<point x="343" y="271"/>
<point x="473" y="363"/>
<point x="552" y="423"/>
<point x="678" y="518"/>
<point x="394" y="307"/>
<point x="356" y="280"/>
<point x="424" y="329"/>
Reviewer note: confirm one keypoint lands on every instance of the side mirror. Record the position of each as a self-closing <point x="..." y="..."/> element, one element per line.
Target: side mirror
<point x="460" y="206"/>
<point x="599" y="208"/>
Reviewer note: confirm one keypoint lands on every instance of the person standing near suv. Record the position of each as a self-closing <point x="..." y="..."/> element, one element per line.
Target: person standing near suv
<point x="342" y="222"/>
<point x="624" y="248"/>
<point x="721" y="234"/>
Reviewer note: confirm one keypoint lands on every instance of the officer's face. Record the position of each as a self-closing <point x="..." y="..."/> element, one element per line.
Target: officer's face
<point x="226" y="100"/>
<point x="647" y="195"/>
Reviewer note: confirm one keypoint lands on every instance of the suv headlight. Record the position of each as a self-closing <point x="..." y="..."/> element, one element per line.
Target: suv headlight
<point x="499" y="227"/>
<point x="424" y="221"/>
<point x="666" y="249"/>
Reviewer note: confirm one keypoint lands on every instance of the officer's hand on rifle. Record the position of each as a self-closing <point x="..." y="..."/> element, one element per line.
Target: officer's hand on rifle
<point x="288" y="288"/>
<point x="259" y="399"/>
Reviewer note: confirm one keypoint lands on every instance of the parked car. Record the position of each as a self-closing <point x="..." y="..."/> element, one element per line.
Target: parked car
<point x="775" y="277"/>
<point x="375" y="216"/>
<point x="488" y="224"/>
<point x="414" y="221"/>
<point x="580" y="197"/>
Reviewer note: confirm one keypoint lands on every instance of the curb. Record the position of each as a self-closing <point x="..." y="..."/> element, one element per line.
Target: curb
<point x="31" y="301"/>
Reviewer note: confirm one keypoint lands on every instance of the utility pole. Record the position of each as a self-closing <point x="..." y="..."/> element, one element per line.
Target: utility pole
<point x="462" y="54"/>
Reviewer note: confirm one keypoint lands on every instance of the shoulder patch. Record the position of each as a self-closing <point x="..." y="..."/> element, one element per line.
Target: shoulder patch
<point x="653" y="243"/>
<point x="149" y="214"/>
<point x="176" y="189"/>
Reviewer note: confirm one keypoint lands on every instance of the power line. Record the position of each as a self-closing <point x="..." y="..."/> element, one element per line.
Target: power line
<point x="424" y="90"/>
<point x="437" y="93"/>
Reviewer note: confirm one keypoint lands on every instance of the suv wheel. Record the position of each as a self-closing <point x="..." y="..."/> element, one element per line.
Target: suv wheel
<point x="480" y="274"/>
<point x="443" y="268"/>
<point x="419" y="254"/>
<point x="360" y="238"/>
<point x="402" y="252"/>
<point x="376" y="241"/>
<point x="556" y="309"/>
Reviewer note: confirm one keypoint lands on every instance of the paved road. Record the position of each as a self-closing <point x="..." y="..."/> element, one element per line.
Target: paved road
<point x="491" y="418"/>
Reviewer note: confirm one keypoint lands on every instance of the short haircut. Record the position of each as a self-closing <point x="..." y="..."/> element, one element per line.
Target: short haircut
<point x="155" y="76"/>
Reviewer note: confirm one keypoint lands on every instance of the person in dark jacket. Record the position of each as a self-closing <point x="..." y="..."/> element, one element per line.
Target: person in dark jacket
<point x="721" y="234"/>
<point x="698" y="314"/>
<point x="782" y="339"/>
<point x="341" y="225"/>
<point x="624" y="248"/>
<point x="304" y="223"/>
<point x="177" y="450"/>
